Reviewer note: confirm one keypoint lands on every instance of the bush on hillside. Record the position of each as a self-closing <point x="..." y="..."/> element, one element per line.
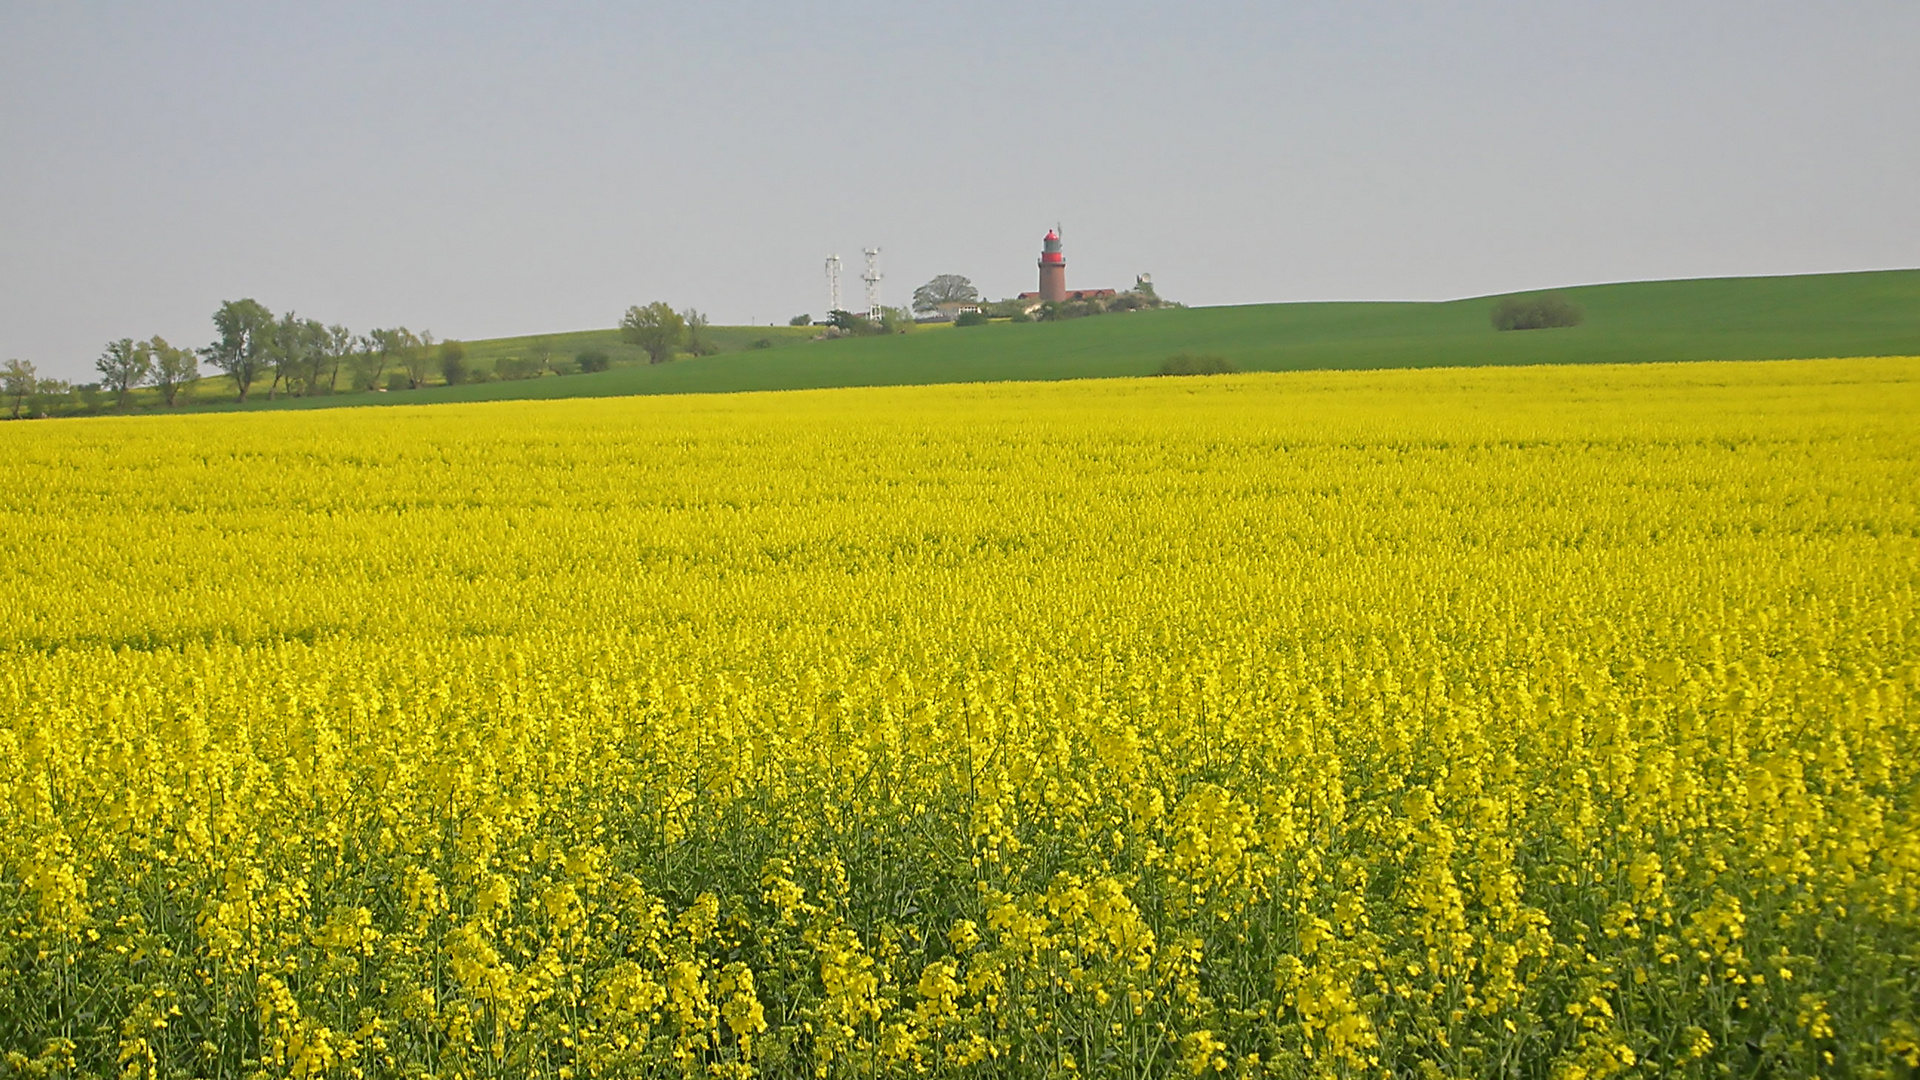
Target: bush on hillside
<point x="970" y="318"/>
<point x="453" y="362"/>
<point x="1542" y="311"/>
<point x="1190" y="364"/>
<point x="518" y="367"/>
<point x="593" y="360"/>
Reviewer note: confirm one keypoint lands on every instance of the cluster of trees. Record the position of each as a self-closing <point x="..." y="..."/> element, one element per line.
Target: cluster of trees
<point x="891" y="321"/>
<point x="664" y="333"/>
<point x="21" y="384"/>
<point x="290" y="354"/>
<point x="307" y="357"/>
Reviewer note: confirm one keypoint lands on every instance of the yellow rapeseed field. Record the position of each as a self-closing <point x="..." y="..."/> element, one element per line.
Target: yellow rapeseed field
<point x="1548" y="723"/>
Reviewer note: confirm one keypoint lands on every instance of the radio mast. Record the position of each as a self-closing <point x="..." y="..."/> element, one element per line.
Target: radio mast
<point x="833" y="285"/>
<point x="872" y="278"/>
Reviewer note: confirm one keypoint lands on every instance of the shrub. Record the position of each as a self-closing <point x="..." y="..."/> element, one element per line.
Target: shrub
<point x="896" y="320"/>
<point x="398" y="381"/>
<point x="800" y="320"/>
<point x="518" y="367"/>
<point x="1543" y="311"/>
<point x="453" y="362"/>
<point x="593" y="360"/>
<point x="1190" y="364"/>
<point x="970" y="318"/>
<point x="763" y="343"/>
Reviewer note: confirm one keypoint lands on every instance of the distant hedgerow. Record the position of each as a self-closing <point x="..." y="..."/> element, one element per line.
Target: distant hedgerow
<point x="1544" y="311"/>
<point x="1190" y="364"/>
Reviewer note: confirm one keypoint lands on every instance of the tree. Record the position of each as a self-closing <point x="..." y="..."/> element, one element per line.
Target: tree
<point x="541" y="351"/>
<point x="416" y="358"/>
<point x="47" y="389"/>
<point x="246" y="336"/>
<point x="944" y="289"/>
<point x="800" y="320"/>
<point x="368" y="361"/>
<point x="850" y="323"/>
<point x="172" y="368"/>
<point x="593" y="360"/>
<point x="299" y="354"/>
<point x="122" y="367"/>
<point x="340" y="345"/>
<point x="697" y="344"/>
<point x="453" y="362"/>
<point x="314" y="341"/>
<point x="657" y="328"/>
<point x="18" y="381"/>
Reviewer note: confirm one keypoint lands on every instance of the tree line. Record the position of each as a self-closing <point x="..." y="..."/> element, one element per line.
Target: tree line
<point x="287" y="353"/>
<point x="306" y="356"/>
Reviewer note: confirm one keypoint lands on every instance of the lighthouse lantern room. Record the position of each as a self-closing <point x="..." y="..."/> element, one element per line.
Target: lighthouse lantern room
<point x="1053" y="268"/>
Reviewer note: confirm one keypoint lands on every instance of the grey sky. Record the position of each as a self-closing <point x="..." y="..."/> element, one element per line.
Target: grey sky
<point x="481" y="169"/>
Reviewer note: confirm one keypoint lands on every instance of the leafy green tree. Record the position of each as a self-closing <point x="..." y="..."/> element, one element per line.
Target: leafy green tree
<point x="850" y="322"/>
<point x="246" y="339"/>
<point x="341" y="345"/>
<point x="299" y="354"/>
<point x="800" y="320"/>
<point x="453" y="362"/>
<point x="367" y="364"/>
<point x="416" y="359"/>
<point x="656" y="328"/>
<point x="123" y="366"/>
<point x="18" y="380"/>
<point x="173" y="368"/>
<point x="944" y="289"/>
<point x="515" y="368"/>
<point x="697" y="343"/>
<point x="593" y="360"/>
<point x="896" y="320"/>
<point x="47" y="392"/>
<point x="540" y="353"/>
<point x="314" y="339"/>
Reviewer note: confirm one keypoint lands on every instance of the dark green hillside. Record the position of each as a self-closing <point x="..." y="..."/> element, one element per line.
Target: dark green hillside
<point x="1860" y="314"/>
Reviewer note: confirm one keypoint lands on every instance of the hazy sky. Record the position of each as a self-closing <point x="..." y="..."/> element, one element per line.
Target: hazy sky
<point x="481" y="169"/>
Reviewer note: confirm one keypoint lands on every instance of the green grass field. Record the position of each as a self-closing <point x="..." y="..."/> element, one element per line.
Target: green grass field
<point x="1874" y="313"/>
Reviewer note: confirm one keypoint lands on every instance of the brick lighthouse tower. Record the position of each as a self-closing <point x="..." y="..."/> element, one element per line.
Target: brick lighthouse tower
<point x="1053" y="268"/>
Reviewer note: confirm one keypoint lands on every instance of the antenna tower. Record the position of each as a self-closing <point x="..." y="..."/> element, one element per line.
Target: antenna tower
<point x="872" y="278"/>
<point x="833" y="284"/>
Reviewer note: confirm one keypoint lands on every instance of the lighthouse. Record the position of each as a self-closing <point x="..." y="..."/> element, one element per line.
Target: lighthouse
<point x="1053" y="268"/>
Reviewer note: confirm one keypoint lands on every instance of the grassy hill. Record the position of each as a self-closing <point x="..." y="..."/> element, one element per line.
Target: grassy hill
<point x="1873" y="313"/>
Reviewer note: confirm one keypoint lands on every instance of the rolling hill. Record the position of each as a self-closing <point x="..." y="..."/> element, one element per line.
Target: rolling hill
<point x="1816" y="315"/>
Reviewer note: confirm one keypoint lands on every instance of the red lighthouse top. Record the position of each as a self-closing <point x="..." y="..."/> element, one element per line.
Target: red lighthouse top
<point x="1050" y="252"/>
